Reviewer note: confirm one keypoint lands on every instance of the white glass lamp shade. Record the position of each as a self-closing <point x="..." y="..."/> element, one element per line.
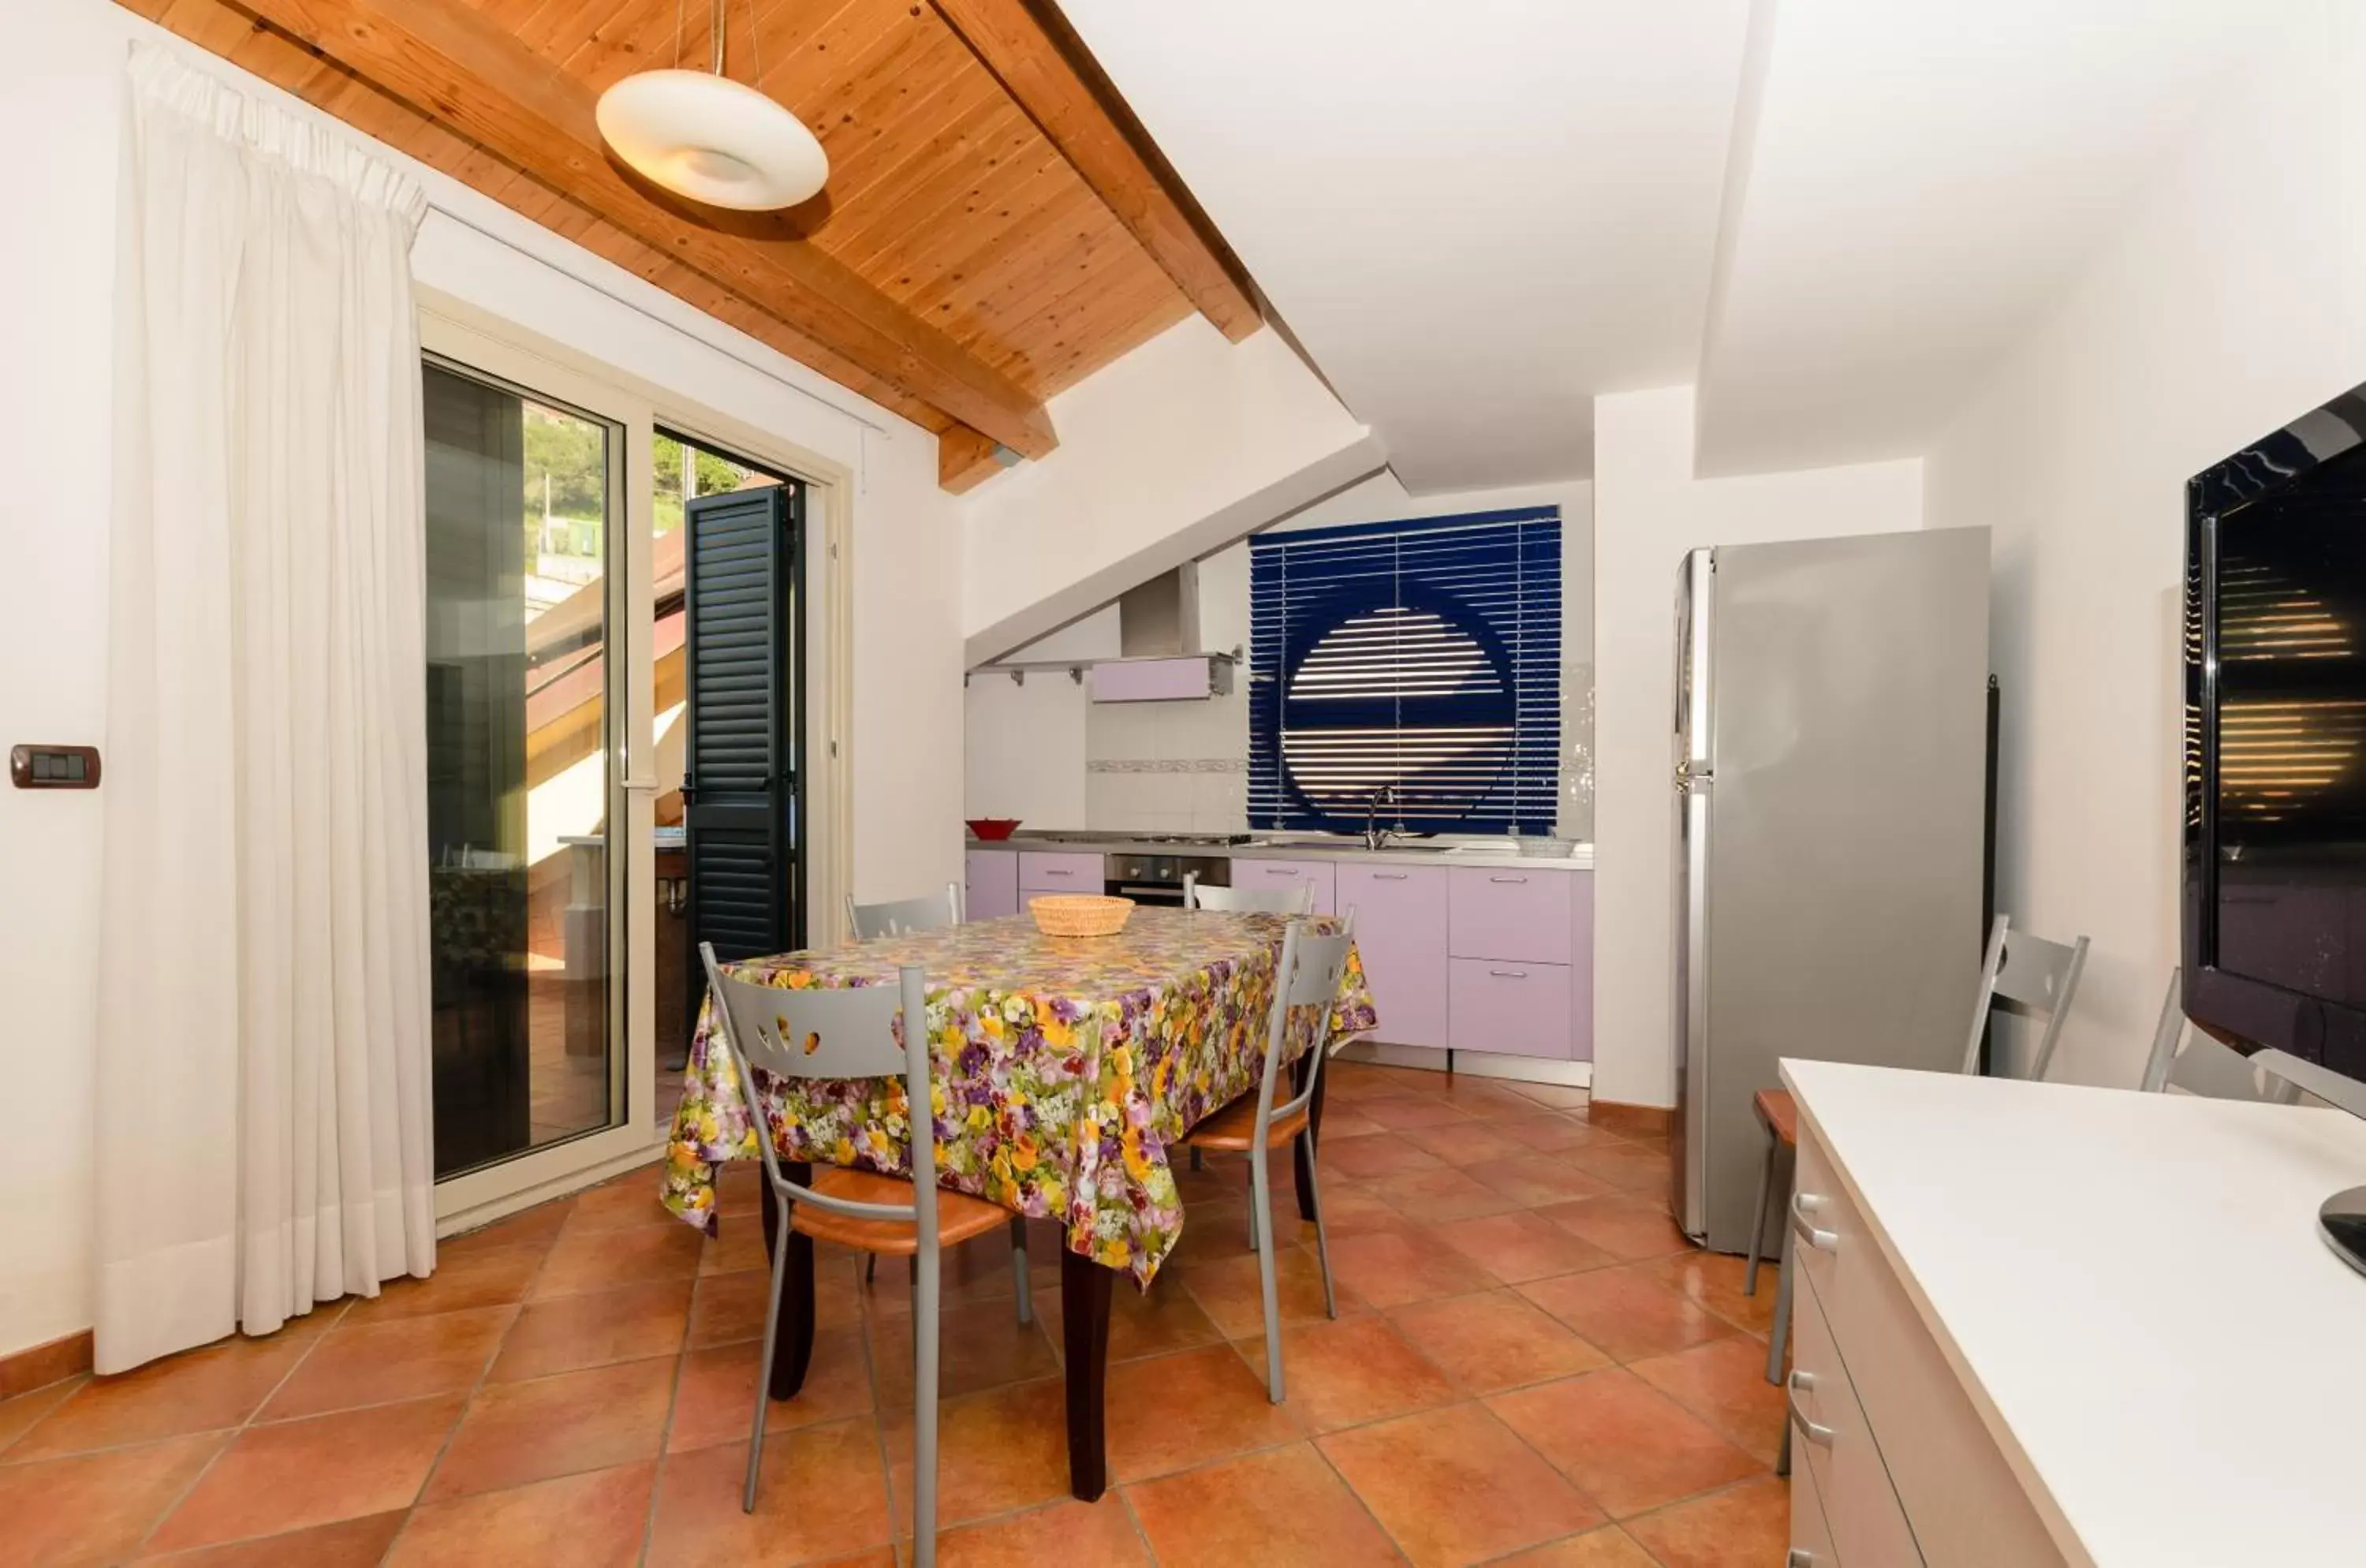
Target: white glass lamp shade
<point x="712" y="140"/>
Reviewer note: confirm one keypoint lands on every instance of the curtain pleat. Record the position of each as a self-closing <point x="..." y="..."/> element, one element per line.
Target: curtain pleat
<point x="264" y="1052"/>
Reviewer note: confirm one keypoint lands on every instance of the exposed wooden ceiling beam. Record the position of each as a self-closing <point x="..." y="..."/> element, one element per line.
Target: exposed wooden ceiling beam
<point x="1023" y="48"/>
<point x="451" y="61"/>
<point x="965" y="459"/>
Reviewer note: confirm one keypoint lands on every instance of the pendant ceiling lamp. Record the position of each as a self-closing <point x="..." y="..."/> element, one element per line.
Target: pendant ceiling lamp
<point x="716" y="140"/>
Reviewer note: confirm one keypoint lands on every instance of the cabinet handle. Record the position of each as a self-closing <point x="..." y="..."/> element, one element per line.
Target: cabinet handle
<point x="1281" y="871"/>
<point x="1815" y="1432"/>
<point x="1800" y="1558"/>
<point x="1055" y="871"/>
<point x="1389" y="875"/>
<point x="1806" y="1229"/>
<point x="1509" y="973"/>
<point x="1519" y="879"/>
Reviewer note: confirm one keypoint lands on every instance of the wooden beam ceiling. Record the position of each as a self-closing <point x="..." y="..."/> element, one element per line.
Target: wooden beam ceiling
<point x="1035" y="59"/>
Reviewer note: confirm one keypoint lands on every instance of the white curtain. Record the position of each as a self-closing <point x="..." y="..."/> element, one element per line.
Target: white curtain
<point x="263" y="1010"/>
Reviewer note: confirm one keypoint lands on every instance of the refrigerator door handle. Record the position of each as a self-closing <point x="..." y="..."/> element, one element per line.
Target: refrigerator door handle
<point x="1690" y="778"/>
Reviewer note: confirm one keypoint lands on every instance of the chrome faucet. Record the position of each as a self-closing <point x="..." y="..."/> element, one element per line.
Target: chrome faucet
<point x="1375" y="836"/>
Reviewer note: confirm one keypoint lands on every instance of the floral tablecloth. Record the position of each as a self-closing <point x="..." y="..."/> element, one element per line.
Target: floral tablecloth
<point x="1065" y="1068"/>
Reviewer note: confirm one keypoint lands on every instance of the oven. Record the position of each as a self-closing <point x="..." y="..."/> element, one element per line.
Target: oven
<point x="1158" y="878"/>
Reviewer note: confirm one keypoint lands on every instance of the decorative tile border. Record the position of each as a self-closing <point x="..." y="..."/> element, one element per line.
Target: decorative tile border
<point x="1168" y="765"/>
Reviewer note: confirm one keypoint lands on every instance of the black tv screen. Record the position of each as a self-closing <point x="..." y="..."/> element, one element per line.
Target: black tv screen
<point x="2275" y="897"/>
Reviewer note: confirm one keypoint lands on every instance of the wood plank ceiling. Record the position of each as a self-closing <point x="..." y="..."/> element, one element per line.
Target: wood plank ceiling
<point x="995" y="227"/>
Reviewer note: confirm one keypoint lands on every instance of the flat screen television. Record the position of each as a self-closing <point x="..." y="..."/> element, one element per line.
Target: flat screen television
<point x="2274" y="916"/>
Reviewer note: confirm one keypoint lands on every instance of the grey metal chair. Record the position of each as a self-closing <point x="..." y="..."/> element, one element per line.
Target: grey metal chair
<point x="2184" y="1057"/>
<point x="897" y="916"/>
<point x="1308" y="976"/>
<point x="1298" y="900"/>
<point x="851" y="1032"/>
<point x="2021" y="971"/>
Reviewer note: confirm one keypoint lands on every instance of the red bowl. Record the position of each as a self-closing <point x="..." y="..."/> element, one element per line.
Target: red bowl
<point x="993" y="830"/>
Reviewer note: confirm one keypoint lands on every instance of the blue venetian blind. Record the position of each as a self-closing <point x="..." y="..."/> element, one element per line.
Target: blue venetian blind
<point x="1422" y="654"/>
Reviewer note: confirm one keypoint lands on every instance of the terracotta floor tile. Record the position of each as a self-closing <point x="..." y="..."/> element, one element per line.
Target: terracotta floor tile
<point x="1484" y="1097"/>
<point x="1714" y="1281"/>
<point x="1466" y="1143"/>
<point x="198" y="1391"/>
<point x="1456" y="1486"/>
<point x="1379" y="1154"/>
<point x="1346" y="1373"/>
<point x="1071" y="1534"/>
<point x="979" y="1346"/>
<point x="1282" y="1509"/>
<point x="1429" y="1196"/>
<point x="1520" y="1246"/>
<point x="1623" y="1225"/>
<point x="1229" y="1294"/>
<point x="20" y="1415"/>
<point x="1626" y="1314"/>
<point x="1349" y="1208"/>
<point x="593" y="1520"/>
<point x="1428" y="1111"/>
<point x="997" y="1451"/>
<point x="66" y="1513"/>
<point x="1496" y="1340"/>
<point x="514" y="1433"/>
<point x="1156" y="1322"/>
<point x="1342" y="1120"/>
<point x="630" y="1200"/>
<point x="601" y="1260"/>
<point x="293" y="1474"/>
<point x="739" y="1248"/>
<point x="1390" y="1268"/>
<point x="350" y="1543"/>
<point x="1560" y="1097"/>
<point x="596" y="1329"/>
<point x="1724" y="1383"/>
<point x="715" y="1402"/>
<point x="1531" y="1179"/>
<point x="371" y="1362"/>
<point x="1623" y="1442"/>
<point x="1625" y="1165"/>
<point x="1170" y="1413"/>
<point x="464" y="1278"/>
<point x="1549" y="1132"/>
<point x="728" y="1308"/>
<point x="1739" y="1529"/>
<point x="1609" y="1547"/>
<point x="821" y="1495"/>
<point x="537" y="1226"/>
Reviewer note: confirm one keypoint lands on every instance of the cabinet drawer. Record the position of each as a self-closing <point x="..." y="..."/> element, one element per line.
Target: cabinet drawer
<point x="1287" y="875"/>
<point x="1832" y="1440"/>
<point x="1401" y="937"/>
<point x="1824" y="1222"/>
<point x="1522" y="915"/>
<point x="991" y="889"/>
<point x="1520" y="1010"/>
<point x="1045" y="870"/>
<point x="1811" y="1537"/>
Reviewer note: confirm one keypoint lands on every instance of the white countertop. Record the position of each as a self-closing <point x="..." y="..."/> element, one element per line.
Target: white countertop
<point x="2132" y="1287"/>
<point x="1283" y="846"/>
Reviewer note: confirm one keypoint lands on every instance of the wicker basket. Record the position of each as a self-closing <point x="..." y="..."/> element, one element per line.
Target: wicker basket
<point x="1079" y="914"/>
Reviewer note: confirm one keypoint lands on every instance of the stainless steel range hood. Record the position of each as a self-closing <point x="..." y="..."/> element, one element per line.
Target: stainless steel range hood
<point x="1158" y="637"/>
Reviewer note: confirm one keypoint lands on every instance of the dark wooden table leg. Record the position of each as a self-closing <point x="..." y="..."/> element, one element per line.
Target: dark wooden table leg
<point x="793" y="1349"/>
<point x="1303" y="1160"/>
<point x="1084" y="1330"/>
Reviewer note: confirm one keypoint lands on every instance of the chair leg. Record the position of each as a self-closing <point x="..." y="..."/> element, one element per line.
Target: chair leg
<point x="871" y="1269"/>
<point x="1265" y="1281"/>
<point x="1758" y="1232"/>
<point x="1018" y="1268"/>
<point x="1322" y="1237"/>
<point x="1777" y="1340"/>
<point x="764" y="1363"/>
<point x="1254" y="1201"/>
<point x="925" y="1325"/>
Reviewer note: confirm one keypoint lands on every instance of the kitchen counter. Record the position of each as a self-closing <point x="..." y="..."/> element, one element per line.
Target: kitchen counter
<point x="1289" y="846"/>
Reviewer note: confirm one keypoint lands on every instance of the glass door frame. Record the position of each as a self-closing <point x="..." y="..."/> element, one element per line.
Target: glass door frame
<point x="473" y="341"/>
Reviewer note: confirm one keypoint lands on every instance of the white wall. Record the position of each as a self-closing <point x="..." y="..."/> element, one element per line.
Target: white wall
<point x="1026" y="741"/>
<point x="61" y="86"/>
<point x="2232" y="298"/>
<point x="1648" y="509"/>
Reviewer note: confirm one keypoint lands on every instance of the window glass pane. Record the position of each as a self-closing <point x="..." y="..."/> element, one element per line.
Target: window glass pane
<point x="518" y="500"/>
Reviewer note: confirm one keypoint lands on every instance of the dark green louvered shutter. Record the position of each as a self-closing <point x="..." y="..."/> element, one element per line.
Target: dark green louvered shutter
<point x="742" y="781"/>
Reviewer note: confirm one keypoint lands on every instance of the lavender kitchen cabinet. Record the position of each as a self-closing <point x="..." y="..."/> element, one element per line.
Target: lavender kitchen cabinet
<point x="1510" y="1007"/>
<point x="992" y="889"/>
<point x="1050" y="871"/>
<point x="1288" y="874"/>
<point x="1511" y="913"/>
<point x="1401" y="914"/>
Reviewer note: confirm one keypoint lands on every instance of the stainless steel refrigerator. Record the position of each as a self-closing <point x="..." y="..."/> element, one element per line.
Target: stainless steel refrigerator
<point x="1832" y="801"/>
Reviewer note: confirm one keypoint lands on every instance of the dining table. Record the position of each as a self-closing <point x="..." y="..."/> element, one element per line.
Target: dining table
<point x="1066" y="1072"/>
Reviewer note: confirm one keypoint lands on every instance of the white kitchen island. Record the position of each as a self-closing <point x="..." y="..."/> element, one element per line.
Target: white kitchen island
<point x="2047" y="1324"/>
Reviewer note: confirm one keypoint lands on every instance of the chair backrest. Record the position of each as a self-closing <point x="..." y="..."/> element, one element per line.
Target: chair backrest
<point x="837" y="1032"/>
<point x="2184" y="1057"/>
<point x="898" y="915"/>
<point x="2032" y="976"/>
<point x="1308" y="975"/>
<point x="1298" y="900"/>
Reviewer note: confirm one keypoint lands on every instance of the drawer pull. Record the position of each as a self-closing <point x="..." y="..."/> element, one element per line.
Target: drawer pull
<point x="1800" y="1558"/>
<point x="1390" y="875"/>
<point x="1057" y="871"/>
<point x="1806" y="1229"/>
<point x="1814" y="1431"/>
<point x="1509" y="973"/>
<point x="1280" y="870"/>
<point x="1518" y="879"/>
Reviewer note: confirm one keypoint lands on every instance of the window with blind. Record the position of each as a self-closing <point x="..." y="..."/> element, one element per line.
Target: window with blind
<point x="1423" y="656"/>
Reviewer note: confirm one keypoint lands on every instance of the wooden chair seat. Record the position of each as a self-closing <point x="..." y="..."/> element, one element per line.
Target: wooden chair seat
<point x="1781" y="1115"/>
<point x="959" y="1215"/>
<point x="1234" y="1127"/>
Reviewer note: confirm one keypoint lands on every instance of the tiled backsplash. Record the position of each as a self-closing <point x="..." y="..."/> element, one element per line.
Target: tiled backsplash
<point x="1168" y="767"/>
